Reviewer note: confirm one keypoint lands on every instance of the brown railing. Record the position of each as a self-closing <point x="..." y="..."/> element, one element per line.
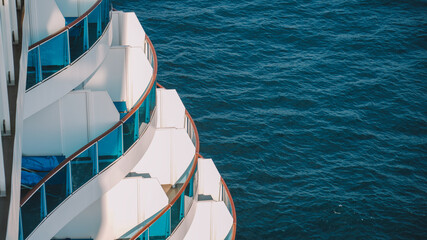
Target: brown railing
<point x="231" y="235"/>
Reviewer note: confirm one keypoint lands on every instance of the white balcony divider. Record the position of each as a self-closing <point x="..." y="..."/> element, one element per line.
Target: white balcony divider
<point x="4" y="102"/>
<point x="6" y="36"/>
<point x="13" y="20"/>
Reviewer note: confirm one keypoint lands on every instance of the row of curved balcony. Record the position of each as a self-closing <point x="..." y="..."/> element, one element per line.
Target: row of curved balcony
<point x="89" y="160"/>
<point x="49" y="56"/>
<point x="57" y="51"/>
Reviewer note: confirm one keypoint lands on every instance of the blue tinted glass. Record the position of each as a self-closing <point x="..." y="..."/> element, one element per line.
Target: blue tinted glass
<point x="81" y="167"/>
<point x="161" y="227"/>
<point x="31" y="213"/>
<point x="54" y="55"/>
<point x="110" y="148"/>
<point x="130" y="132"/>
<point x="153" y="99"/>
<point x="144" y="112"/>
<point x="77" y="37"/>
<point x="105" y="13"/>
<point x="33" y="68"/>
<point x="94" y="25"/>
<point x="177" y="212"/>
<point x="56" y="189"/>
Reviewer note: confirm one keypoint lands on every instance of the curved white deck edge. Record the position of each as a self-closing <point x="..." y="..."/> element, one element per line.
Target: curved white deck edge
<point x="68" y="78"/>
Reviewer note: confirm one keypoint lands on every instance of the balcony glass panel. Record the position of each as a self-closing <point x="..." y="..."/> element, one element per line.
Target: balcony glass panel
<point x="54" y="54"/>
<point x="177" y="212"/>
<point x="160" y="229"/>
<point x="77" y="38"/>
<point x="130" y="132"/>
<point x="82" y="167"/>
<point x="33" y="67"/>
<point x="94" y="25"/>
<point x="110" y="148"/>
<point x="105" y="13"/>
<point x="56" y="189"/>
<point x="31" y="213"/>
<point x="152" y="98"/>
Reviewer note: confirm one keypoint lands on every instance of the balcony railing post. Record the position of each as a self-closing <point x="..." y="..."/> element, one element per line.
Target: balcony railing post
<point x="98" y="23"/>
<point x="121" y="140"/>
<point x="85" y="34"/>
<point x="190" y="190"/>
<point x="147" y="110"/>
<point x="39" y="66"/>
<point x="67" y="49"/>
<point x="95" y="159"/>
<point x="182" y="206"/>
<point x="43" y="205"/>
<point x="21" y="229"/>
<point x="136" y="125"/>
<point x="69" y="180"/>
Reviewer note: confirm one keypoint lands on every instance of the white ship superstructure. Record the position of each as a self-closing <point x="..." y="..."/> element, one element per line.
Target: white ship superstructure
<point x="98" y="150"/>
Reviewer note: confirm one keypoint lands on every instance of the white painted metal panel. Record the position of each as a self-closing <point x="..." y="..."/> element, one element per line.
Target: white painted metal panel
<point x="45" y="19"/>
<point x="172" y="109"/>
<point x="74" y="122"/>
<point x="74" y="8"/>
<point x="13" y="20"/>
<point x="132" y="33"/>
<point x="4" y="104"/>
<point x="209" y="178"/>
<point x="42" y="133"/>
<point x="139" y="72"/>
<point x="111" y="75"/>
<point x="6" y="36"/>
<point x="102" y="113"/>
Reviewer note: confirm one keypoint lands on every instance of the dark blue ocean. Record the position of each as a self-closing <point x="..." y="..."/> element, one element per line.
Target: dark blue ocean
<point x="315" y="112"/>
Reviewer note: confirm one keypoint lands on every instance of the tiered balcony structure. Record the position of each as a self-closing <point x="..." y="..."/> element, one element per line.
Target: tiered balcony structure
<point x="108" y="153"/>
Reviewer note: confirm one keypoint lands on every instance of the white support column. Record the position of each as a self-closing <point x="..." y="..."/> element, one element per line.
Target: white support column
<point x="4" y="102"/>
<point x="7" y="41"/>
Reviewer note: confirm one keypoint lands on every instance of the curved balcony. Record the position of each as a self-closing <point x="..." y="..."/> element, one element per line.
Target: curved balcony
<point x="57" y="51"/>
<point x="90" y="160"/>
<point x="163" y="224"/>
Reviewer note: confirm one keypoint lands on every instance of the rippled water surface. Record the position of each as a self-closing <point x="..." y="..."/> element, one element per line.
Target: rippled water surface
<point x="315" y="112"/>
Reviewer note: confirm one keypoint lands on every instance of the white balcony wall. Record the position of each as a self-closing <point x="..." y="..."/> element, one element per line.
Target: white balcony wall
<point x="68" y="124"/>
<point x="128" y="204"/>
<point x="206" y="220"/>
<point x="172" y="149"/>
<point x="209" y="179"/>
<point x="169" y="155"/>
<point x="4" y="102"/>
<point x="172" y="110"/>
<point x="74" y="8"/>
<point x="69" y="78"/>
<point x="45" y="19"/>
<point x="125" y="74"/>
<point x="13" y="20"/>
<point x="6" y="38"/>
